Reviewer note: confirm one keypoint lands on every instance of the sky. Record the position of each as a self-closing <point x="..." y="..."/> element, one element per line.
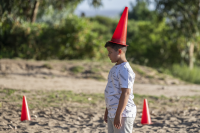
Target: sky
<point x="110" y="8"/>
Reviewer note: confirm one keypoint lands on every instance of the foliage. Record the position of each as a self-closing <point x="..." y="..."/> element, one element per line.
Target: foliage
<point x="183" y="18"/>
<point x="182" y="15"/>
<point x="104" y="26"/>
<point x="149" y="45"/>
<point x="24" y="10"/>
<point x="57" y="34"/>
<point x="72" y="39"/>
<point x="140" y="11"/>
<point x="149" y="42"/>
<point x="20" y="9"/>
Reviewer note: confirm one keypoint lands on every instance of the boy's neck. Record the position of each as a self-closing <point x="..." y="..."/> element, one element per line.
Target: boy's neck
<point x="121" y="61"/>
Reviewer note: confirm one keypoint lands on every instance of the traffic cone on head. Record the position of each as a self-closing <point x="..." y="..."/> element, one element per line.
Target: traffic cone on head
<point x="146" y="119"/>
<point x="25" y="115"/>
<point x="119" y="36"/>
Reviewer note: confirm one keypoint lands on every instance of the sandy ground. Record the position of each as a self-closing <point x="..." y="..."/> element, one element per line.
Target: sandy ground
<point x="90" y="120"/>
<point x="34" y="75"/>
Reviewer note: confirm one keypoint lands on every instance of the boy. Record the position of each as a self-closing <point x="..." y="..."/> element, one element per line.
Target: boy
<point x="120" y="109"/>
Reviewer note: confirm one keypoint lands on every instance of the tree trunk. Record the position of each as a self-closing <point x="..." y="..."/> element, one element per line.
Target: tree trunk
<point x="191" y="53"/>
<point x="34" y="11"/>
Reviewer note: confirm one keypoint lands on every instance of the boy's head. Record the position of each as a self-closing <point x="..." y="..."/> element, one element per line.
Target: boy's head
<point x="115" y="51"/>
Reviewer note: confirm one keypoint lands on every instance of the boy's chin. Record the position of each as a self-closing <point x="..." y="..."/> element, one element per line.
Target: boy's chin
<point x="113" y="61"/>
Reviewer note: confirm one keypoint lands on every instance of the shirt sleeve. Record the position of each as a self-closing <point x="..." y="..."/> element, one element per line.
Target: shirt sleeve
<point x="126" y="78"/>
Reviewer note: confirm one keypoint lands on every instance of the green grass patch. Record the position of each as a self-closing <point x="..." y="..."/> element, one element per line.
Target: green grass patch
<point x="48" y="66"/>
<point x="98" y="77"/>
<point x="7" y="91"/>
<point x="138" y="99"/>
<point x="42" y="99"/>
<point x="95" y="70"/>
<point x="77" y="69"/>
<point x="31" y="106"/>
<point x="184" y="73"/>
<point x="25" y="91"/>
<point x="197" y="97"/>
<point x="149" y="76"/>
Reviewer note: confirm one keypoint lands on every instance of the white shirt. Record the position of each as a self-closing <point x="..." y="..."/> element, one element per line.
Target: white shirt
<point x="120" y="76"/>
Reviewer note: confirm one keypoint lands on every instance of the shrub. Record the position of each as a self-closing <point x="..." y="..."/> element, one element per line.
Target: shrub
<point x="73" y="38"/>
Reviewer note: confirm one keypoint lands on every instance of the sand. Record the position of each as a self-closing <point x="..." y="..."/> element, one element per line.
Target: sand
<point x="32" y="75"/>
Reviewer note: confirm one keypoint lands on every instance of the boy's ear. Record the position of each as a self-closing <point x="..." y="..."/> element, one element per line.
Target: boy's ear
<point x="120" y="51"/>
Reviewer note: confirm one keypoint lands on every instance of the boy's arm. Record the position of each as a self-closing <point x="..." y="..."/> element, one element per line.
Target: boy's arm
<point x="105" y="115"/>
<point x="121" y="106"/>
<point x="123" y="100"/>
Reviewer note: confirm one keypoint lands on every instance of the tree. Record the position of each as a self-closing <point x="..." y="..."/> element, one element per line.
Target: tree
<point x="183" y="17"/>
<point x="27" y="9"/>
<point x="140" y="11"/>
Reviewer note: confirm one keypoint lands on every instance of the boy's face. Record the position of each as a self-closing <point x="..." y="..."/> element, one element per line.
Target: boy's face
<point x="113" y="55"/>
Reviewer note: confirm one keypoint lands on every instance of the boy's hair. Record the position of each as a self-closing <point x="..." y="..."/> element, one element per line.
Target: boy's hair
<point x="116" y="46"/>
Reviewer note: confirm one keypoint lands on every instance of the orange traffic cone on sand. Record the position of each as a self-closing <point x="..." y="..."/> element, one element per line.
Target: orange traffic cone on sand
<point x="146" y="119"/>
<point x="25" y="115"/>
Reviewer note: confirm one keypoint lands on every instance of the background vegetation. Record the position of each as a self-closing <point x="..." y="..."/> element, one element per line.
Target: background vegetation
<point x="166" y="38"/>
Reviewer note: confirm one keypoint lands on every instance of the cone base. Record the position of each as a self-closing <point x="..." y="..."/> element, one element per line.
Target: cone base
<point x="146" y="123"/>
<point x="118" y="43"/>
<point x="26" y="120"/>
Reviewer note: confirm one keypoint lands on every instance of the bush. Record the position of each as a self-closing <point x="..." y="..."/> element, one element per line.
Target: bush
<point x="149" y="45"/>
<point x="104" y="26"/>
<point x="72" y="39"/>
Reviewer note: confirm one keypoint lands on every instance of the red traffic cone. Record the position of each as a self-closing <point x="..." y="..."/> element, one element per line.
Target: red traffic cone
<point x="146" y="119"/>
<point x="120" y="33"/>
<point x="25" y="115"/>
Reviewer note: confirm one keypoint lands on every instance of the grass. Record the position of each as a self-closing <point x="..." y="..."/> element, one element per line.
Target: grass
<point x="42" y="99"/>
<point x="48" y="66"/>
<point x="184" y="73"/>
<point x="191" y="97"/>
<point x="77" y="69"/>
<point x="98" y="77"/>
<point x="7" y="91"/>
<point x="95" y="70"/>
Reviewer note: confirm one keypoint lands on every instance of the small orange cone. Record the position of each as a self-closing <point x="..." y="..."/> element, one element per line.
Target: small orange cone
<point x="146" y="119"/>
<point x="25" y="115"/>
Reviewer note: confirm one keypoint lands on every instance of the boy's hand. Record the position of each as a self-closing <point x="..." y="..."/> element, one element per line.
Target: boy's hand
<point x="117" y="121"/>
<point x="106" y="115"/>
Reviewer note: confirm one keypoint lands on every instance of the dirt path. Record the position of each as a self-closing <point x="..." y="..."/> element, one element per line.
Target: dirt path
<point x="92" y="86"/>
